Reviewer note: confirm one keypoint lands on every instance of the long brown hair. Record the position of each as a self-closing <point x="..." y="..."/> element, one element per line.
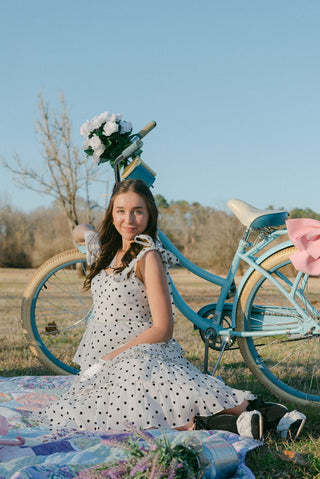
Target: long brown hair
<point x="111" y="240"/>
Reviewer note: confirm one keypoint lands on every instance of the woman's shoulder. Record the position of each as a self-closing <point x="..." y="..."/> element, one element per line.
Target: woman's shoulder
<point x="148" y="261"/>
<point x="168" y="259"/>
<point x="150" y="256"/>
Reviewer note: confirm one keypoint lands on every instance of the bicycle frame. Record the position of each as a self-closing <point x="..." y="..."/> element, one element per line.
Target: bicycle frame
<point x="273" y="312"/>
<point x="247" y="253"/>
<point x="298" y="321"/>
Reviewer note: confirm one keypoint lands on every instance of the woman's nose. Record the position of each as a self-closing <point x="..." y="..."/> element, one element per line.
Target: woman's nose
<point x="130" y="218"/>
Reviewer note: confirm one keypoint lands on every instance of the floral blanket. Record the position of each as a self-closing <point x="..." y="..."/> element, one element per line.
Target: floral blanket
<point x="47" y="455"/>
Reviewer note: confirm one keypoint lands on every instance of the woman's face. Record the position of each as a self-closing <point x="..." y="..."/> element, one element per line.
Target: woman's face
<point x="130" y="215"/>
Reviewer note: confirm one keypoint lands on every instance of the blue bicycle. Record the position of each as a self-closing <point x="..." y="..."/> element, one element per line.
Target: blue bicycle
<point x="273" y="313"/>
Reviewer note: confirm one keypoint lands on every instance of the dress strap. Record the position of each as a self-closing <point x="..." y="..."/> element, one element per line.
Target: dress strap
<point x="145" y="240"/>
<point x="168" y="259"/>
<point x="148" y="244"/>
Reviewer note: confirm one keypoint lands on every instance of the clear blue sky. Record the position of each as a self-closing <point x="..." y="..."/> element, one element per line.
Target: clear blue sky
<point x="233" y="85"/>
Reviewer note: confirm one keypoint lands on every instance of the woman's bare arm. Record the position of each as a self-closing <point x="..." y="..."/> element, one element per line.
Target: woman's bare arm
<point x="151" y="271"/>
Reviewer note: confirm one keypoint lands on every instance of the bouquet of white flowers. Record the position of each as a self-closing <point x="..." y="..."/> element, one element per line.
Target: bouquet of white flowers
<point x="106" y="136"/>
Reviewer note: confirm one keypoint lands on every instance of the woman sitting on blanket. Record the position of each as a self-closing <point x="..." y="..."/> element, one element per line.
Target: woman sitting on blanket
<point x="132" y="370"/>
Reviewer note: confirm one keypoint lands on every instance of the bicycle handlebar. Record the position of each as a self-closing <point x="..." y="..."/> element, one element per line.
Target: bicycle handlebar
<point x="129" y="151"/>
<point x="136" y="145"/>
<point x="147" y="129"/>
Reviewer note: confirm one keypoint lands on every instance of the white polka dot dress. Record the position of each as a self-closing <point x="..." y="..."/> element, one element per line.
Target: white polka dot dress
<point x="149" y="385"/>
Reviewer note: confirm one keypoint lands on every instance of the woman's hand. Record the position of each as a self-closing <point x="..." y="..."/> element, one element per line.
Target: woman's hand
<point x="111" y="355"/>
<point x="91" y="370"/>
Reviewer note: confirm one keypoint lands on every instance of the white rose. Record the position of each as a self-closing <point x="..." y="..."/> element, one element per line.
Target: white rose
<point x="86" y="144"/>
<point x="95" y="123"/>
<point x="125" y="126"/>
<point x="103" y="117"/>
<point x="115" y="117"/>
<point x="110" y="127"/>
<point x="96" y="145"/>
<point x="84" y="130"/>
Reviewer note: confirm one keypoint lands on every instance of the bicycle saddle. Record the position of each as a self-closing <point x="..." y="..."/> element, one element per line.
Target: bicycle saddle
<point x="254" y="217"/>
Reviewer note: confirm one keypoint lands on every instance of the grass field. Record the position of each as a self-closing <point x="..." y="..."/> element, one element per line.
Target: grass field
<point x="268" y="461"/>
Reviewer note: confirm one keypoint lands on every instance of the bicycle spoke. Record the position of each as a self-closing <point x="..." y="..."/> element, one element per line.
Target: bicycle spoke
<point x="61" y="310"/>
<point x="62" y="286"/>
<point x="287" y="364"/>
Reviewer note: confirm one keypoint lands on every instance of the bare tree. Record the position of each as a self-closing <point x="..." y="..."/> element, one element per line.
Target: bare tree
<point x="15" y="238"/>
<point x="65" y="172"/>
<point x="206" y="236"/>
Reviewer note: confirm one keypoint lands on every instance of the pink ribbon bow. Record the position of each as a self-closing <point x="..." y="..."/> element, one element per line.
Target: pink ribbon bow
<point x="305" y="235"/>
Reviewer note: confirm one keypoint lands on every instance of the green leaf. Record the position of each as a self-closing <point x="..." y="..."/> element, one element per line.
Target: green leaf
<point x="89" y="151"/>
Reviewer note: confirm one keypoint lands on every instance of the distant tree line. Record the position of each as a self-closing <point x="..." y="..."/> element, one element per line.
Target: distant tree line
<point x="29" y="239"/>
<point x="205" y="235"/>
<point x="306" y="213"/>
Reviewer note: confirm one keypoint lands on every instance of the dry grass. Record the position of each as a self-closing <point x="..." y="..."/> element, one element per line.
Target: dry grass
<point x="266" y="461"/>
<point x="15" y="357"/>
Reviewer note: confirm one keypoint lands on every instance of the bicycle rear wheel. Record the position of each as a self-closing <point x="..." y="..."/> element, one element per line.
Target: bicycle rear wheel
<point x="55" y="310"/>
<point x="288" y="366"/>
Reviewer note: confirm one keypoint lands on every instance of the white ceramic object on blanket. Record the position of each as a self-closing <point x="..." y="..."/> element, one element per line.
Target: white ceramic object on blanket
<point x="4" y="426"/>
<point x="4" y="429"/>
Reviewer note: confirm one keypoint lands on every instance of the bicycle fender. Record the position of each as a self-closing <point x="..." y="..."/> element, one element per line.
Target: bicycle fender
<point x="250" y="270"/>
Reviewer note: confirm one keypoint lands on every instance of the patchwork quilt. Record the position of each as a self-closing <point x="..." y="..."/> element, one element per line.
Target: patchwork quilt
<point x="67" y="453"/>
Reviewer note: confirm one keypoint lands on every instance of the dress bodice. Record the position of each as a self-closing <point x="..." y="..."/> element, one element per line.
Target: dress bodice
<point x="121" y="307"/>
<point x="119" y="300"/>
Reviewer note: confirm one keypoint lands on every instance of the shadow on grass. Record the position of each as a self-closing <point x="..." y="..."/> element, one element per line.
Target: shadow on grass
<point x="30" y="371"/>
<point x="271" y="460"/>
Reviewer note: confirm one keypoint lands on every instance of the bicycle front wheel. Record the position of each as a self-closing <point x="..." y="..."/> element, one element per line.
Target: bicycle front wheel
<point x="55" y="310"/>
<point x="287" y="365"/>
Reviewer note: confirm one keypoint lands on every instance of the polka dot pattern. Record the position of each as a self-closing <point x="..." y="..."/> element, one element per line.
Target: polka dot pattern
<point x="149" y="385"/>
